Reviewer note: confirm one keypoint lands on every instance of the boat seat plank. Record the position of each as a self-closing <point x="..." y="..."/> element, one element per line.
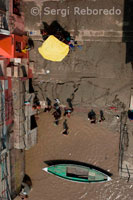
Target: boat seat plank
<point x="91" y="173"/>
<point x="77" y="172"/>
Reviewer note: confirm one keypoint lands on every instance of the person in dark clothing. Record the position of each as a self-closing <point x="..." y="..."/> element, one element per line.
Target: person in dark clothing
<point x="102" y="118"/>
<point x="45" y="31"/>
<point x="69" y="101"/>
<point x="36" y="103"/>
<point x="59" y="111"/>
<point x="36" y="100"/>
<point x="65" y="127"/>
<point x="44" y="34"/>
<point x="48" y="106"/>
<point x="48" y="101"/>
<point x="130" y="114"/>
<point x="92" y="116"/>
<point x="56" y="106"/>
<point x="47" y="109"/>
<point x="56" y="116"/>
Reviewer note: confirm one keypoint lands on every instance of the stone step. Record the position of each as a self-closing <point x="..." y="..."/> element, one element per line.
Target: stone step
<point x="91" y="35"/>
<point x="59" y="78"/>
<point x="107" y="36"/>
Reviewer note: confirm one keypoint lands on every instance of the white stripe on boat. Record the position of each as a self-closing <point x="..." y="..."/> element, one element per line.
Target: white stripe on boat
<point x="45" y="169"/>
<point x="109" y="179"/>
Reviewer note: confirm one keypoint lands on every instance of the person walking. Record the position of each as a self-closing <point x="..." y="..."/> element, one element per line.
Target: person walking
<point x="48" y="105"/>
<point x="57" y="107"/>
<point x="36" y="102"/>
<point x="56" y="116"/>
<point x="102" y="118"/>
<point x="92" y="116"/>
<point x="69" y="101"/>
<point x="57" y="101"/>
<point x="56" y="104"/>
<point x="65" y="127"/>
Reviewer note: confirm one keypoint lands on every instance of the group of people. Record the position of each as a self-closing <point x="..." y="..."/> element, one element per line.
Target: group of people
<point x="93" y="118"/>
<point x="54" y="29"/>
<point x="58" y="112"/>
<point x="62" y="35"/>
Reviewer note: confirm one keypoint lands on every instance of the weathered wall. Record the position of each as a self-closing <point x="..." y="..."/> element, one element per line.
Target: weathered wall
<point x="17" y="170"/>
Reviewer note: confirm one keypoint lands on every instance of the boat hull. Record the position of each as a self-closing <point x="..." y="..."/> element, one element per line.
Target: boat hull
<point x="77" y="173"/>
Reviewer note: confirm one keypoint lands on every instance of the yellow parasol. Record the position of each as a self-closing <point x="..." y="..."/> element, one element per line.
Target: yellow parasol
<point x="53" y="49"/>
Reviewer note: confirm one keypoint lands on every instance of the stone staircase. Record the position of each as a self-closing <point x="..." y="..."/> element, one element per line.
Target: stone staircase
<point x="92" y="35"/>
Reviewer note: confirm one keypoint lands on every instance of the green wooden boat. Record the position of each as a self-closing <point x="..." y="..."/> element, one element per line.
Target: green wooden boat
<point x="77" y="173"/>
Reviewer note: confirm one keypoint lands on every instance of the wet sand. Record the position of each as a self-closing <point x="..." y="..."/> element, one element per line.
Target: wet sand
<point x="88" y="143"/>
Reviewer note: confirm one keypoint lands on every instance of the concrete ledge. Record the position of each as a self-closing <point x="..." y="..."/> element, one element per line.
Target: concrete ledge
<point x="91" y="35"/>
